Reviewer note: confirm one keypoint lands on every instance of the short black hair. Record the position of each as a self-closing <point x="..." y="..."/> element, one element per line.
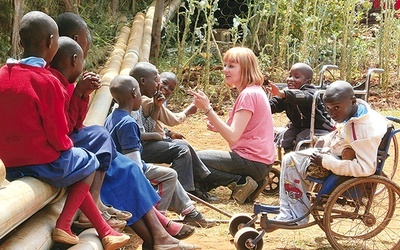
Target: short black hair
<point x="70" y="23"/>
<point x="67" y="47"/>
<point x="35" y="27"/>
<point x="337" y="91"/>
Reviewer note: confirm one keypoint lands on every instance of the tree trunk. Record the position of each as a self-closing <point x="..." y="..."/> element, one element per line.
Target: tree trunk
<point x="18" y="11"/>
<point x="134" y="7"/>
<point x="115" y="7"/>
<point x="156" y="31"/>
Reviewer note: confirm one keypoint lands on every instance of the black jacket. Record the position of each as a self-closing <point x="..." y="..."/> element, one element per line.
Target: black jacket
<point x="297" y="104"/>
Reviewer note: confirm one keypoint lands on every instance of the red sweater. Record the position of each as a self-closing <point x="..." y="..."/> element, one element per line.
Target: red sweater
<point x="76" y="108"/>
<point x="33" y="126"/>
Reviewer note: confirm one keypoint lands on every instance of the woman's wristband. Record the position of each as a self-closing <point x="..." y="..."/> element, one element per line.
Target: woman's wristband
<point x="207" y="110"/>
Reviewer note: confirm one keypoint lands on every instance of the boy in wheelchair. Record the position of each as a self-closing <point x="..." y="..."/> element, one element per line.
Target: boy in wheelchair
<point x="297" y="101"/>
<point x="349" y="150"/>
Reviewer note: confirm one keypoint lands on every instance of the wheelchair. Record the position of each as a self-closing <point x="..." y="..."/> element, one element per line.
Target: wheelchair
<point x="354" y="212"/>
<point x="361" y="91"/>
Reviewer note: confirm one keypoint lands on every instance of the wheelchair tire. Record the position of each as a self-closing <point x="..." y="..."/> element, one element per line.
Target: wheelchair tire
<point x="238" y="222"/>
<point x="357" y="217"/>
<point x="244" y="237"/>
<point x="272" y="187"/>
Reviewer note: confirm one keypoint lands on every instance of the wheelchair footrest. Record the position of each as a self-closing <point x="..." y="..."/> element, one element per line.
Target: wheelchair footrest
<point x="261" y="208"/>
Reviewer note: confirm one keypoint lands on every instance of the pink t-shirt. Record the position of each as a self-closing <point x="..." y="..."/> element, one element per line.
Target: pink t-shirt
<point x="257" y="140"/>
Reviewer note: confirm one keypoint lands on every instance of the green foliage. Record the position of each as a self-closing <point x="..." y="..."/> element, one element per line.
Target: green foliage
<point x="97" y="14"/>
<point x="282" y="32"/>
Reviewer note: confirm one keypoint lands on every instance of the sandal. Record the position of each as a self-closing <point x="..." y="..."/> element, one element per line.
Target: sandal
<point x="185" y="232"/>
<point x="118" y="214"/>
<point x="117" y="225"/>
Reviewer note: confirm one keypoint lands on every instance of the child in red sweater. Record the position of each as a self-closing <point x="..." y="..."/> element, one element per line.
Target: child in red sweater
<point x="32" y="111"/>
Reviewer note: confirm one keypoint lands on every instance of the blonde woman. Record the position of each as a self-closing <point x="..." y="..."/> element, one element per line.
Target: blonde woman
<point x="248" y="130"/>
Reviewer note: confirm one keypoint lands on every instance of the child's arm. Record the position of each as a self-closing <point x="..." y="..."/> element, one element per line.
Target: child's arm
<point x="134" y="155"/>
<point x="274" y="90"/>
<point x="150" y="136"/>
<point x="190" y="110"/>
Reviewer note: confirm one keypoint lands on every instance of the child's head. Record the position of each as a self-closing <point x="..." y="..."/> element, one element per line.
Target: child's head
<point x="39" y="35"/>
<point x="300" y="74"/>
<point x="125" y="91"/>
<point x="73" y="26"/>
<point x="68" y="59"/>
<point x="147" y="76"/>
<point x="168" y="83"/>
<point x="340" y="101"/>
<point x="241" y="68"/>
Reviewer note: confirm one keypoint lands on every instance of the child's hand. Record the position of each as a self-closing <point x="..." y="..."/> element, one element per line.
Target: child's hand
<point x="176" y="135"/>
<point x="159" y="98"/>
<point x="316" y="159"/>
<point x="90" y="82"/>
<point x="200" y="100"/>
<point x="190" y="110"/>
<point x="273" y="89"/>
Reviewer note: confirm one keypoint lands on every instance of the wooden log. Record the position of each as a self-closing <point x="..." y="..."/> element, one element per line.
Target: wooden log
<point x="88" y="240"/>
<point x="2" y="173"/>
<point x="22" y="198"/>
<point x="146" y="42"/>
<point x="133" y="49"/>
<point x="101" y="102"/>
<point x="35" y="233"/>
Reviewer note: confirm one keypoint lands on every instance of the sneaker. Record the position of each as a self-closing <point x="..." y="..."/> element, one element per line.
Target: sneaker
<point x="198" y="220"/>
<point x="242" y="192"/>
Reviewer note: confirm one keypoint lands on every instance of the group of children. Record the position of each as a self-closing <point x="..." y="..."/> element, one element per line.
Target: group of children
<point x="55" y="109"/>
<point x="104" y="164"/>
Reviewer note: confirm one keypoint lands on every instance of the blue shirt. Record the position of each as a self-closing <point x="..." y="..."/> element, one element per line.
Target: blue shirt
<point x="361" y="110"/>
<point x="125" y="132"/>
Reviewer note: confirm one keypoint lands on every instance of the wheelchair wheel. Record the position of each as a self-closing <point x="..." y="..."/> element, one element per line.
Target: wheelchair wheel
<point x="356" y="217"/>
<point x="272" y="187"/>
<point x="238" y="222"/>
<point x="390" y="167"/>
<point x="244" y="237"/>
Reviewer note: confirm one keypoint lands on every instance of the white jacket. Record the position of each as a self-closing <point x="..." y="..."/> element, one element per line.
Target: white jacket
<point x="363" y="134"/>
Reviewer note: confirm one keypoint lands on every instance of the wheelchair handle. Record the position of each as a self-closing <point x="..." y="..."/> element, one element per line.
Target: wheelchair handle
<point x="322" y="71"/>
<point x="393" y="119"/>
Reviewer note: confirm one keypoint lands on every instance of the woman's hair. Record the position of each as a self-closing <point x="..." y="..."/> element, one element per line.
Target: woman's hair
<point x="250" y="72"/>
